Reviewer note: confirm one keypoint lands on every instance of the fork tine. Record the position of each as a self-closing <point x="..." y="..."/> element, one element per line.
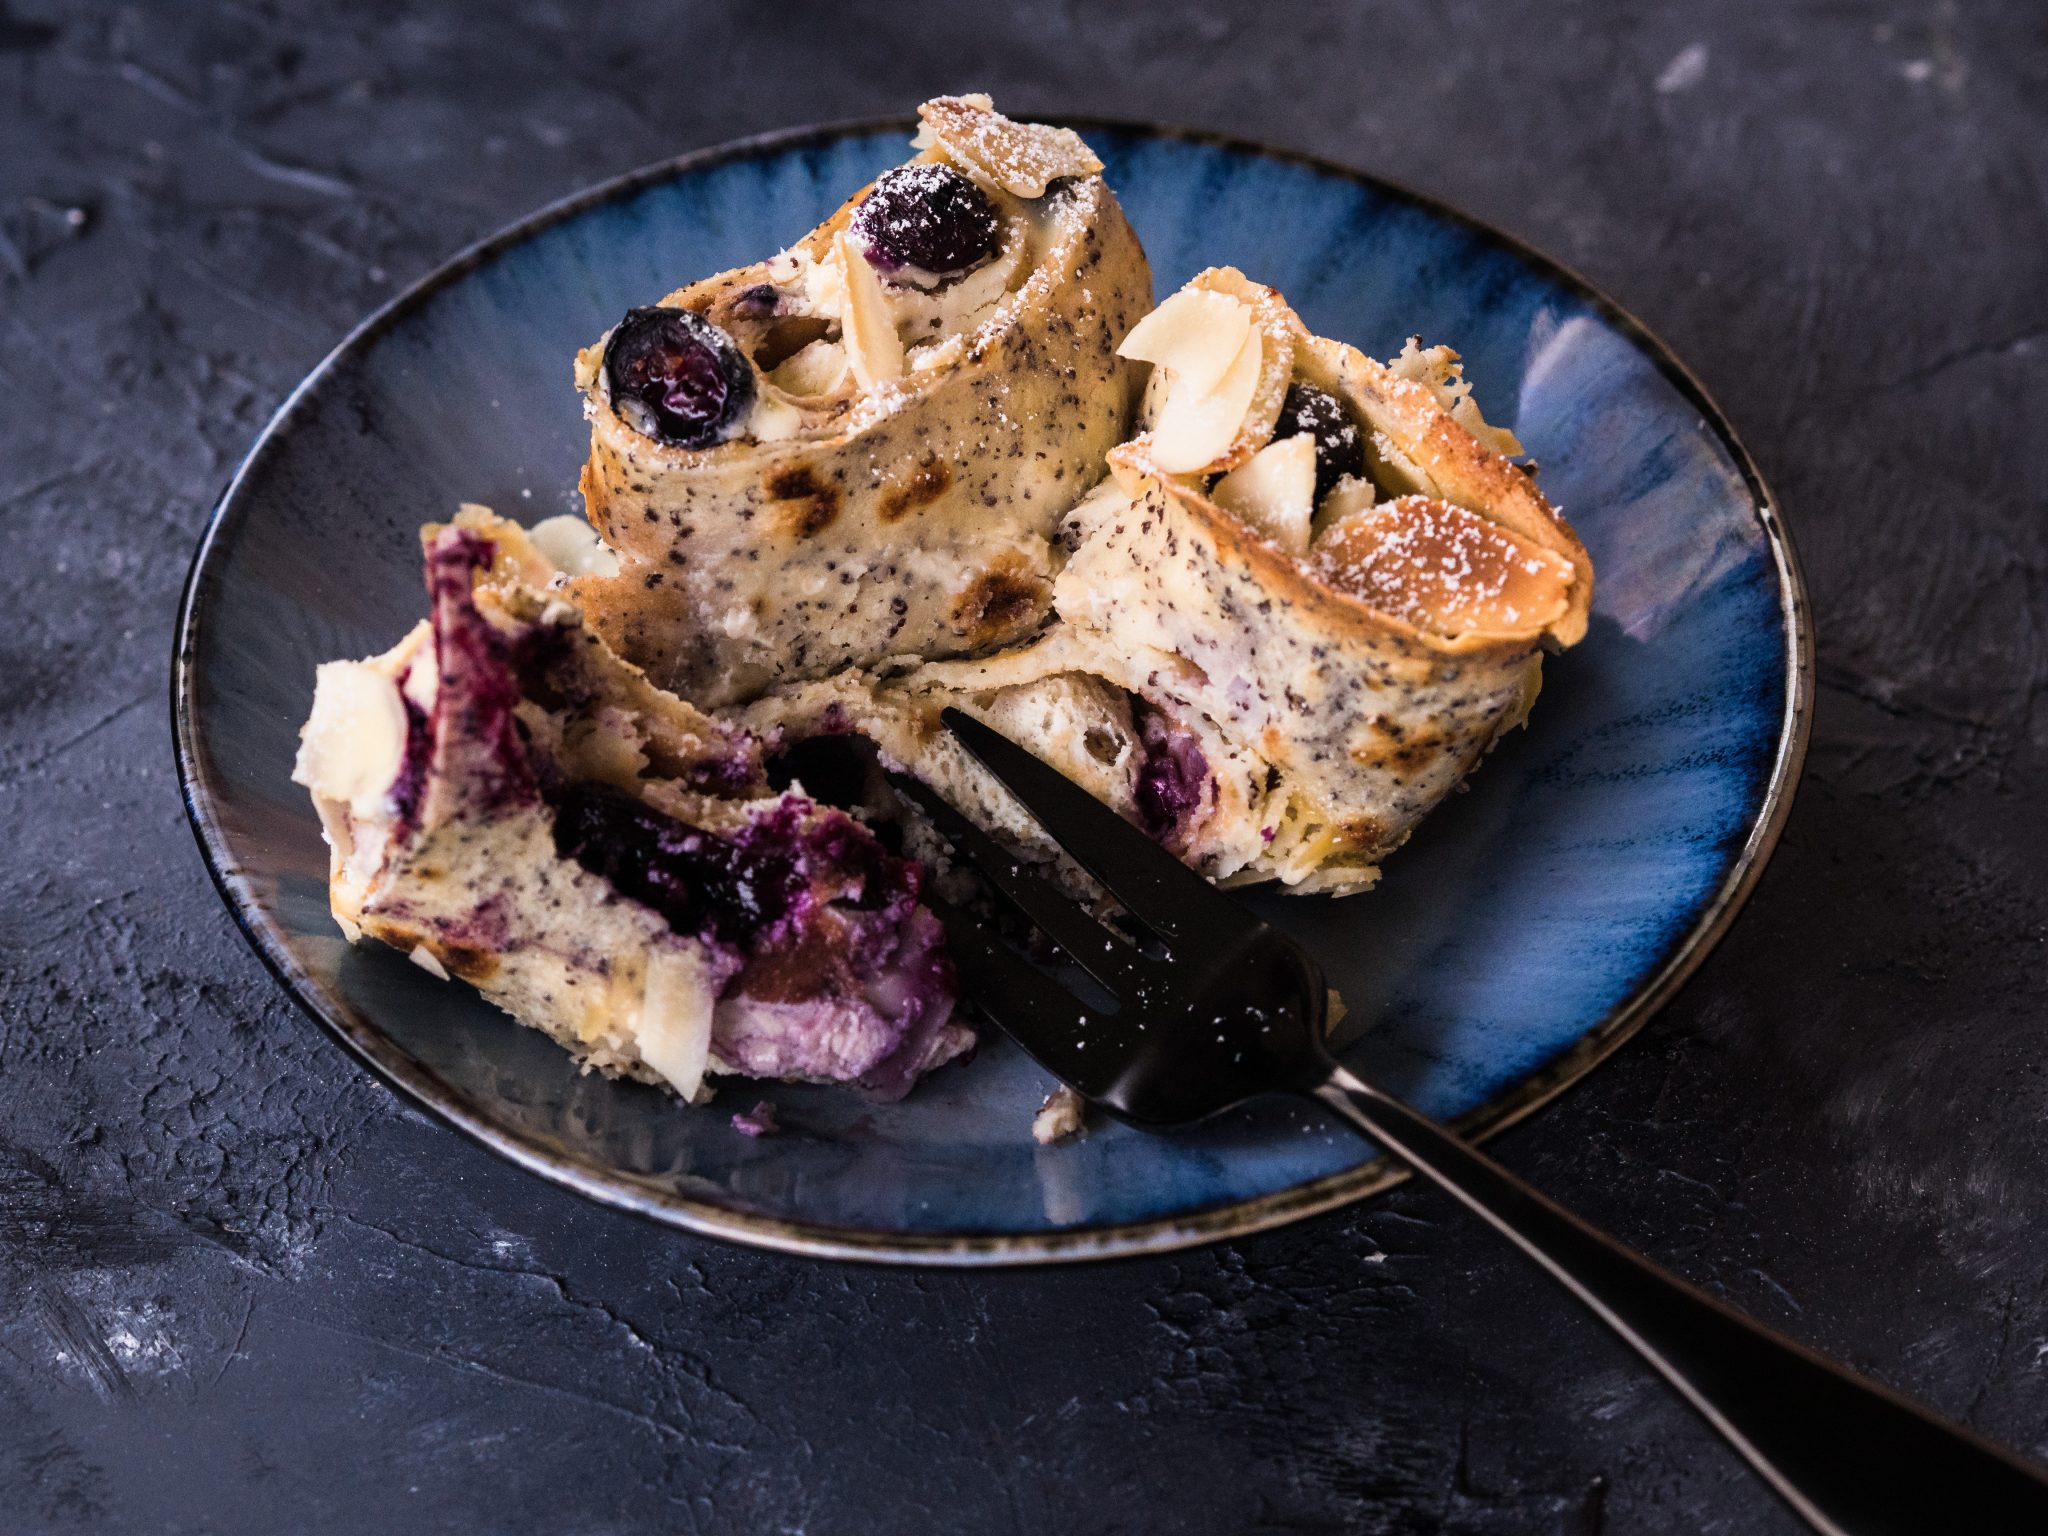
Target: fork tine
<point x="1159" y="890"/>
<point x="1050" y="1023"/>
<point x="1119" y="966"/>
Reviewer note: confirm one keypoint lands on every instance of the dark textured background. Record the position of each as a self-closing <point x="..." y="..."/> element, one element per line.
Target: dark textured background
<point x="243" y="1288"/>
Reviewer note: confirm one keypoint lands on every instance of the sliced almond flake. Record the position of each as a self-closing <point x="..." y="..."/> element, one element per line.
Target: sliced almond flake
<point x="1395" y="469"/>
<point x="571" y="546"/>
<point x="353" y="744"/>
<point x="944" y="352"/>
<point x="1277" y="328"/>
<point x="423" y="677"/>
<point x="774" y="421"/>
<point x="427" y="961"/>
<point x="1351" y="495"/>
<point x="1020" y="158"/>
<point x="1275" y="491"/>
<point x="1196" y="333"/>
<point x="873" y="349"/>
<point x="817" y="368"/>
<point x="673" y="1031"/>
<point x="1195" y="430"/>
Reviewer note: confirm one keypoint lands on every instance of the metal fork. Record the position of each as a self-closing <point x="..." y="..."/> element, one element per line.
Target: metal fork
<point x="1211" y="1006"/>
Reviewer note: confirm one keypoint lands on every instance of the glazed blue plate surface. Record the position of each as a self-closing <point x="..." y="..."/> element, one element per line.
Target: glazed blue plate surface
<point x="1526" y="930"/>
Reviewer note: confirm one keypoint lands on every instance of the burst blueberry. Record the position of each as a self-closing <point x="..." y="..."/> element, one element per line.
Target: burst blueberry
<point x="1340" y="446"/>
<point x="677" y="378"/>
<point x="928" y="217"/>
<point x="1174" y="781"/>
<point x="734" y="887"/>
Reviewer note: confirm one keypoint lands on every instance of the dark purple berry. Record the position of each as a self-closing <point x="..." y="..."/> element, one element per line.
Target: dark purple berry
<point x="1340" y="446"/>
<point x="676" y="377"/>
<point x="775" y="871"/>
<point x="926" y="216"/>
<point x="1174" y="781"/>
<point x="699" y="882"/>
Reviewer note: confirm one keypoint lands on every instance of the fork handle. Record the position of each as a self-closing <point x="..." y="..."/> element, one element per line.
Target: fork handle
<point x="1853" y="1458"/>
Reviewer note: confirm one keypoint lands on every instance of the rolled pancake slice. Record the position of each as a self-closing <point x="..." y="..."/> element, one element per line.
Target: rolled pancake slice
<point x="1313" y="594"/>
<point x="861" y="447"/>
<point x="509" y="803"/>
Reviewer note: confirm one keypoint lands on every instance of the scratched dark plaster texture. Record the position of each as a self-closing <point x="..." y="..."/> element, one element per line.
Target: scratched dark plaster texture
<point x="242" y="1288"/>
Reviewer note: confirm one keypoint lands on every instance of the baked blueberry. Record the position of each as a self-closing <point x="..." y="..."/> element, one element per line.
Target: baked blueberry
<point x="925" y="216"/>
<point x="1340" y="446"/>
<point x="676" y="377"/>
<point x="700" y="883"/>
<point x="1174" y="782"/>
<point x="774" y="872"/>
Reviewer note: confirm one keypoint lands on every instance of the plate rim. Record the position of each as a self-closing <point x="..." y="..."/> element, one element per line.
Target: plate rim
<point x="966" y="1248"/>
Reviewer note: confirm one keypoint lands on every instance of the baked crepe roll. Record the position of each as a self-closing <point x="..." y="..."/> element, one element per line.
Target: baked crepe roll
<point x="1314" y="592"/>
<point x="509" y="803"/>
<point x="861" y="447"/>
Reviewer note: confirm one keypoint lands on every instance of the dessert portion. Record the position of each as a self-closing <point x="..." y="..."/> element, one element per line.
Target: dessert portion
<point x="508" y="802"/>
<point x="861" y="448"/>
<point x="1313" y="593"/>
<point x="1267" y="597"/>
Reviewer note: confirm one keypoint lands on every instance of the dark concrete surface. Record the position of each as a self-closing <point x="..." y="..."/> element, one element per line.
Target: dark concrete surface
<point x="243" y="1288"/>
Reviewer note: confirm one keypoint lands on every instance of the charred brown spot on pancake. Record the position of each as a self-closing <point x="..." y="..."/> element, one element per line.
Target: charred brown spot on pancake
<point x="1405" y="749"/>
<point x="473" y="965"/>
<point x="384" y="930"/>
<point x="1366" y="835"/>
<point x="804" y="505"/>
<point x="924" y="486"/>
<point x="999" y="601"/>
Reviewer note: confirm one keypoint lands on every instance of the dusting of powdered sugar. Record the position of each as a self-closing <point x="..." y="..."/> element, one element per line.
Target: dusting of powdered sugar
<point x="1433" y="565"/>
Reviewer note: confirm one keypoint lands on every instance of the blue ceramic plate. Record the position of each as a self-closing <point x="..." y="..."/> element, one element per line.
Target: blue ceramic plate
<point x="1526" y="931"/>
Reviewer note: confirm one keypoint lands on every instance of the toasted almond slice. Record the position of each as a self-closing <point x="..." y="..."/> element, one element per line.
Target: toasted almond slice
<point x="1020" y="158"/>
<point x="1351" y="495"/>
<point x="673" y="1031"/>
<point x="873" y="349"/>
<point x="353" y="744"/>
<point x="1194" y="430"/>
<point x="1278" y="328"/>
<point x="774" y="421"/>
<point x="1394" y="469"/>
<point x="1196" y="333"/>
<point x="1275" y="491"/>
<point x="571" y="546"/>
<point x="814" y="369"/>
